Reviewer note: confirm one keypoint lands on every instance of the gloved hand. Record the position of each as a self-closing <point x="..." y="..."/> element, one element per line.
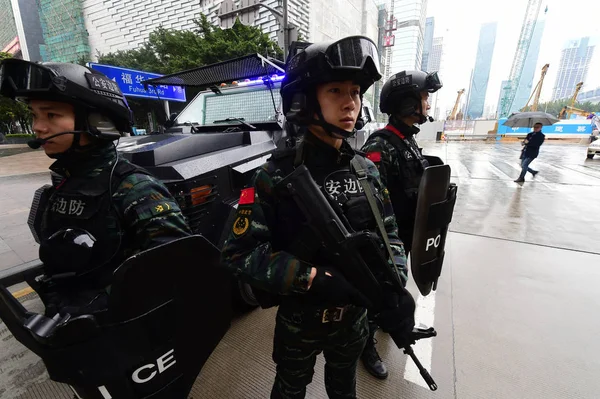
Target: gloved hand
<point x="399" y="319"/>
<point x="329" y="287"/>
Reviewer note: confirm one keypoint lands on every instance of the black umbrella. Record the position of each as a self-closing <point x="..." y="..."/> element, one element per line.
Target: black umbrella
<point x="528" y="119"/>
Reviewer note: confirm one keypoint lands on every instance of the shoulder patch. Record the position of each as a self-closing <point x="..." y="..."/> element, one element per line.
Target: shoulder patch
<point x="242" y="222"/>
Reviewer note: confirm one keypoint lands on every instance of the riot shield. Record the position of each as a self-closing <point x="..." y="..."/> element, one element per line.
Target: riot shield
<point x="435" y="205"/>
<point x="168" y="309"/>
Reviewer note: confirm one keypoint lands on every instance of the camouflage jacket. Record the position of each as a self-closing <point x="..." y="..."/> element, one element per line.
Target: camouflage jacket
<point x="148" y="214"/>
<point x="257" y="247"/>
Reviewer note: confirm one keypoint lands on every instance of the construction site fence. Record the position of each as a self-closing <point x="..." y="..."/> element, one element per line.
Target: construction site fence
<point x="463" y="130"/>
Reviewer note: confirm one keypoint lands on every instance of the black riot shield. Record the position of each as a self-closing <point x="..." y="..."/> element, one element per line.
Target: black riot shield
<point x="435" y="205"/>
<point x="168" y="309"/>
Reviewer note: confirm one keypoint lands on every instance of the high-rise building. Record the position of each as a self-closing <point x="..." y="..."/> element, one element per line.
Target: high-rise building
<point x="381" y="24"/>
<point x="407" y="51"/>
<point x="20" y="31"/>
<point x="434" y="63"/>
<point x="499" y="105"/>
<point x="481" y="72"/>
<point x="427" y="42"/>
<point x="335" y="19"/>
<point x="122" y="25"/>
<point x="592" y="96"/>
<point x="9" y="38"/>
<point x="526" y="84"/>
<point x="64" y="33"/>
<point x="574" y="64"/>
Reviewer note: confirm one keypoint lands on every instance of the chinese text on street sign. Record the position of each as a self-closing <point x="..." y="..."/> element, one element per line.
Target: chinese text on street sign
<point x="129" y="81"/>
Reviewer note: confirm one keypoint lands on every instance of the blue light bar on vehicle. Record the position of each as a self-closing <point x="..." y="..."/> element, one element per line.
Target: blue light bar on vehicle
<point x="274" y="78"/>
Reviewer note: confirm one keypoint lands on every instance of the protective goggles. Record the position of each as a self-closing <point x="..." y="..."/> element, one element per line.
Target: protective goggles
<point x="20" y="77"/>
<point x="353" y="53"/>
<point x="433" y="82"/>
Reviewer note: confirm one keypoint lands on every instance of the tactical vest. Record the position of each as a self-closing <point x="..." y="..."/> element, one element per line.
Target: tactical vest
<point x="82" y="234"/>
<point x="403" y="184"/>
<point x="293" y="236"/>
<point x="340" y="185"/>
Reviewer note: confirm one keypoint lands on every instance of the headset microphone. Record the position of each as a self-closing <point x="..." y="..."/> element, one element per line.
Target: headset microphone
<point x="37" y="143"/>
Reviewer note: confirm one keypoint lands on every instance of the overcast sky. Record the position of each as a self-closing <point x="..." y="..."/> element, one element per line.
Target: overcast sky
<point x="459" y="21"/>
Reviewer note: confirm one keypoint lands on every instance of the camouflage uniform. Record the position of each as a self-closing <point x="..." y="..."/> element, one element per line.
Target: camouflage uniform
<point x="143" y="214"/>
<point x="401" y="168"/>
<point x="258" y="251"/>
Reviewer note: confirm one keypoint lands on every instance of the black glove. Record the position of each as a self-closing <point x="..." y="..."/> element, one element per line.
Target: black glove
<point x="329" y="287"/>
<point x="399" y="319"/>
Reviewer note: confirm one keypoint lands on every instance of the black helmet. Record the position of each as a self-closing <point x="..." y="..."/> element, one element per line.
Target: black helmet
<point x="401" y="94"/>
<point x="353" y="58"/>
<point x="88" y="90"/>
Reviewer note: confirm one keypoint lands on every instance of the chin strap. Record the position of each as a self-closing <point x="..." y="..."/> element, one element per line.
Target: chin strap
<point x="81" y="124"/>
<point x="331" y="129"/>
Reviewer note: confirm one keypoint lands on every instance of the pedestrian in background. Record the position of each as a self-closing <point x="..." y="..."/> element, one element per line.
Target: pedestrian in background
<point x="531" y="150"/>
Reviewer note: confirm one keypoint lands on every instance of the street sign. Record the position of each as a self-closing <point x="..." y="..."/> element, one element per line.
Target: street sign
<point x="130" y="83"/>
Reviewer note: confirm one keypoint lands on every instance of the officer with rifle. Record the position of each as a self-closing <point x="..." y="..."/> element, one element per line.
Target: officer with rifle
<point x="395" y="151"/>
<point x="315" y="232"/>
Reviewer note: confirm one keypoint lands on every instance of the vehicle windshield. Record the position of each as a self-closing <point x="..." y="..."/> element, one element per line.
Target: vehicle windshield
<point x="250" y="101"/>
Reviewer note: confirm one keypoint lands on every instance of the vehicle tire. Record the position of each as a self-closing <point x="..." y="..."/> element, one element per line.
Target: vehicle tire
<point x="590" y="156"/>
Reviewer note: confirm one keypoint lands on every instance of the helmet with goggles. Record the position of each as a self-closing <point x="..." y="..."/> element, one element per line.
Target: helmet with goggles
<point x="87" y="90"/>
<point x="401" y="94"/>
<point x="353" y="58"/>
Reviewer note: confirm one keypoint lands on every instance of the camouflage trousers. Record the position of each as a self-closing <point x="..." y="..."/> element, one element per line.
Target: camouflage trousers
<point x="301" y="335"/>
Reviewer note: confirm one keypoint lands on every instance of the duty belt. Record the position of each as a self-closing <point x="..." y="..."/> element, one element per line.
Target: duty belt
<point x="320" y="315"/>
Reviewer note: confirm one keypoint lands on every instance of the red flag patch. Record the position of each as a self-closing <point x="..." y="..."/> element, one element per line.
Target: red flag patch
<point x="374" y="156"/>
<point x="247" y="196"/>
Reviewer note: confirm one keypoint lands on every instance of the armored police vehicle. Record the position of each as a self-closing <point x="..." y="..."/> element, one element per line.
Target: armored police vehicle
<point x="212" y="147"/>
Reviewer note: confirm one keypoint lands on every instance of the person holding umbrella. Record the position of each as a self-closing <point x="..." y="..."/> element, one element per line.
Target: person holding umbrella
<point x="531" y="149"/>
<point x="533" y="141"/>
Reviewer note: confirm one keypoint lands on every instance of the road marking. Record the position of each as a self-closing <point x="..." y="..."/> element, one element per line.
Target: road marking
<point x="23" y="292"/>
<point x="424" y="317"/>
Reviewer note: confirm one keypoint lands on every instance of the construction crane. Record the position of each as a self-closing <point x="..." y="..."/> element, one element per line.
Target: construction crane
<point x="510" y="90"/>
<point x="577" y="89"/>
<point x="455" y="109"/>
<point x="572" y="110"/>
<point x="537" y="91"/>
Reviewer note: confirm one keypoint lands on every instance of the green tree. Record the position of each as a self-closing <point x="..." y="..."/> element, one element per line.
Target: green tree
<point x="13" y="112"/>
<point x="554" y="107"/>
<point x="168" y="50"/>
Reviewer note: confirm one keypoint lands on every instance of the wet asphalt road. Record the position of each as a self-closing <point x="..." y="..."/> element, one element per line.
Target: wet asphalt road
<point x="516" y="308"/>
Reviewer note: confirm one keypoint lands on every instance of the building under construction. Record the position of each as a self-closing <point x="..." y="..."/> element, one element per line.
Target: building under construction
<point x="63" y="26"/>
<point x="44" y="30"/>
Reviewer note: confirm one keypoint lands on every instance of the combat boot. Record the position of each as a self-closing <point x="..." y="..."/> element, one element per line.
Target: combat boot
<point x="371" y="360"/>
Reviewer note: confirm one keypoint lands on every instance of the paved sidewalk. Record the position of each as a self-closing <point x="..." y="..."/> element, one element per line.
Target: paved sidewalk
<point x="23" y="163"/>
